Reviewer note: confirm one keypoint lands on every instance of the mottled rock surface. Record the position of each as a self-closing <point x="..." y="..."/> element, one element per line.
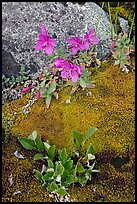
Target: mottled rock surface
<point x="20" y="29"/>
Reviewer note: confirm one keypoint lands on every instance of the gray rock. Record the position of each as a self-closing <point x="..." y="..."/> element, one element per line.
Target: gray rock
<point x="124" y="24"/>
<point x="20" y="30"/>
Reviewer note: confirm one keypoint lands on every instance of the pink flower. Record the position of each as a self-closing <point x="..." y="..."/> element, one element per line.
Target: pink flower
<point x="40" y="76"/>
<point x="90" y="39"/>
<point x="60" y="62"/>
<point x="76" y="44"/>
<point x="113" y="44"/>
<point x="45" y="42"/>
<point x="73" y="72"/>
<point x="26" y="89"/>
<point x="38" y="95"/>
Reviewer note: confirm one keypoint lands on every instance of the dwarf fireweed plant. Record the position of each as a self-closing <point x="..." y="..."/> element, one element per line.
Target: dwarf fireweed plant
<point x="121" y="50"/>
<point x="65" y="69"/>
<point x="59" y="170"/>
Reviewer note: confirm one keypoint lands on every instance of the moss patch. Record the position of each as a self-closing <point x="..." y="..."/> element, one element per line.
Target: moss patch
<point x="110" y="108"/>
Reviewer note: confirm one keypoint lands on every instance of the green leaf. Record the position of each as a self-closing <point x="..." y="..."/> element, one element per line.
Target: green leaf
<point x="82" y="180"/>
<point x="39" y="143"/>
<point x="43" y="94"/>
<point x="43" y="84"/>
<point x="53" y="186"/>
<point x="50" y="170"/>
<point x="46" y="145"/>
<point x="77" y="138"/>
<point x="63" y="155"/>
<point x="47" y="176"/>
<point x="51" y="152"/>
<point x="33" y="136"/>
<point x="59" y="169"/>
<point x="64" y="175"/>
<point x="80" y="168"/>
<point x="117" y="62"/>
<point x="50" y="164"/>
<point x="70" y="179"/>
<point x="68" y="165"/>
<point x="51" y="88"/>
<point x="90" y="149"/>
<point x="27" y="143"/>
<point x="90" y="132"/>
<point x="61" y="192"/>
<point x="82" y="83"/>
<point x="48" y="100"/>
<point x="38" y="174"/>
<point x="38" y="156"/>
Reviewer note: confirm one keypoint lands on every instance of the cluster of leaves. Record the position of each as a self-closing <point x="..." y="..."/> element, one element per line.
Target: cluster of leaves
<point x="20" y="79"/>
<point x="121" y="50"/>
<point x="61" y="170"/>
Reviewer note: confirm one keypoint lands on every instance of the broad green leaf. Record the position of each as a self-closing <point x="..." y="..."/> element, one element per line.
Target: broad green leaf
<point x="77" y="138"/>
<point x="91" y="149"/>
<point x="53" y="186"/>
<point x="38" y="156"/>
<point x="70" y="179"/>
<point x="43" y="85"/>
<point x="61" y="192"/>
<point x="39" y="143"/>
<point x="64" y="175"/>
<point x="48" y="176"/>
<point x="60" y="169"/>
<point x="80" y="168"/>
<point x="50" y="164"/>
<point x="33" y="136"/>
<point x="51" y="152"/>
<point x="50" y="170"/>
<point x="117" y="62"/>
<point x="90" y="132"/>
<point x="48" y="100"/>
<point x="63" y="155"/>
<point x="82" y="83"/>
<point x="46" y="145"/>
<point x="82" y="180"/>
<point x="43" y="94"/>
<point x="27" y="143"/>
<point x="51" y="88"/>
<point x="38" y="174"/>
<point x="68" y="165"/>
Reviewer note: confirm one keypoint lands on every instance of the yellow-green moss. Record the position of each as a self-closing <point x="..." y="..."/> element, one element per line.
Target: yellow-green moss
<point x="110" y="108"/>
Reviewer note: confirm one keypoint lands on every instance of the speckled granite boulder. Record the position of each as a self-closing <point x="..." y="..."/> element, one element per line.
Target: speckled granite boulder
<point x="20" y="29"/>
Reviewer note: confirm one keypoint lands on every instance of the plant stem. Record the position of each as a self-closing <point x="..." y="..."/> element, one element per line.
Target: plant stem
<point x="112" y="28"/>
<point x="99" y="18"/>
<point x="131" y="26"/>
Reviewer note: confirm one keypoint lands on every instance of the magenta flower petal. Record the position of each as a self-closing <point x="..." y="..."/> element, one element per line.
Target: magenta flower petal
<point x="25" y="89"/>
<point x="94" y="40"/>
<point x="52" y="42"/>
<point x="48" y="49"/>
<point x="91" y="32"/>
<point x="38" y="95"/>
<point x="65" y="73"/>
<point x="74" y="50"/>
<point x="59" y="62"/>
<point x="44" y="32"/>
<point x="74" y="76"/>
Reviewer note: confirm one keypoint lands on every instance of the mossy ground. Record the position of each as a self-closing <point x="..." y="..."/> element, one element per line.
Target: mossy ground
<point x="110" y="108"/>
